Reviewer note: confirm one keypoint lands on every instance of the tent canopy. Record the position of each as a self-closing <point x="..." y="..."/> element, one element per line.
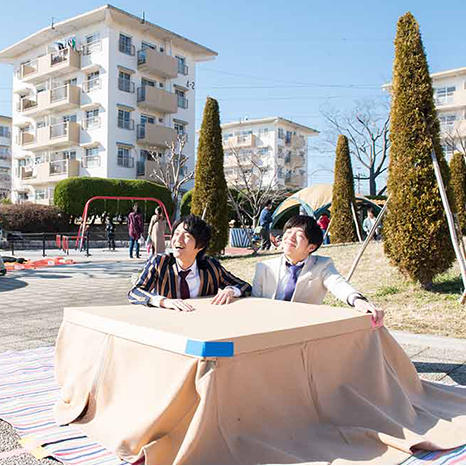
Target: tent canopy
<point x="314" y="200"/>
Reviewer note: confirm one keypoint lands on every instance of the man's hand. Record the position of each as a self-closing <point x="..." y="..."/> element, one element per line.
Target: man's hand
<point x="176" y="304"/>
<point x="365" y="306"/>
<point x="224" y="296"/>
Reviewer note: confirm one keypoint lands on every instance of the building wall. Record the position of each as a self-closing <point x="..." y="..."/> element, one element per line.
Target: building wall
<point x="5" y="157"/>
<point x="450" y="100"/>
<point x="107" y="98"/>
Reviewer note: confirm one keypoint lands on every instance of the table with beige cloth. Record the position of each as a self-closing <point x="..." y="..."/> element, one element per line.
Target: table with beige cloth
<point x="257" y="381"/>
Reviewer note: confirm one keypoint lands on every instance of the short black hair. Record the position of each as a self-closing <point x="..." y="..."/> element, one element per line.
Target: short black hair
<point x="269" y="202"/>
<point x="199" y="229"/>
<point x="312" y="231"/>
<point x="371" y="210"/>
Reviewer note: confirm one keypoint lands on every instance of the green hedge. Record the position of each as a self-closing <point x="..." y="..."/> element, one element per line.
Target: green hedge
<point x="33" y="218"/>
<point x="72" y="194"/>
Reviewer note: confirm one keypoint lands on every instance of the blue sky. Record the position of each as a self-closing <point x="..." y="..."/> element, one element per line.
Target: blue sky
<point x="275" y="58"/>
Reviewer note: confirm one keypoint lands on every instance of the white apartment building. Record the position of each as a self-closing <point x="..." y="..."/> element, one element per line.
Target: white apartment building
<point x="5" y="156"/>
<point x="277" y="144"/>
<point x="91" y="96"/>
<point x="450" y="101"/>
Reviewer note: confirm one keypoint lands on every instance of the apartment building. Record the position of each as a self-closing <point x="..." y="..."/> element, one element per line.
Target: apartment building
<point x="92" y="95"/>
<point x="5" y="156"/>
<point x="450" y="101"/>
<point x="271" y="150"/>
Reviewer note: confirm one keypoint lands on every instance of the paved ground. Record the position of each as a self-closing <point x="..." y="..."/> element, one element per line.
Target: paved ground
<point x="32" y="302"/>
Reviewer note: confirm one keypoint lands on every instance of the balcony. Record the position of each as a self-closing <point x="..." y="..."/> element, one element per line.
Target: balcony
<point x="58" y="99"/>
<point x="159" y="64"/>
<point x="453" y="101"/>
<point x="91" y="123"/>
<point x="298" y="141"/>
<point x="155" y="135"/>
<point x="56" y="63"/>
<point x="240" y="141"/>
<point x="59" y="135"/>
<point x="145" y="168"/>
<point x="297" y="160"/>
<point x="92" y="85"/>
<point x="50" y="172"/>
<point x="91" y="161"/>
<point x="157" y="100"/>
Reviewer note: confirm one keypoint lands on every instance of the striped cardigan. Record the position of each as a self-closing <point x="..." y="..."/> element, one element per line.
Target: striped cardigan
<point x="160" y="277"/>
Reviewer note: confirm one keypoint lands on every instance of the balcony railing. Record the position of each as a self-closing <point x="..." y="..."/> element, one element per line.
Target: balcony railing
<point x="182" y="101"/>
<point x="142" y="56"/>
<point x="59" y="57"/>
<point x="88" y="49"/>
<point x="59" y="93"/>
<point x="126" y="162"/>
<point x="59" y="130"/>
<point x="91" y="123"/>
<point x="58" y="167"/>
<point x="129" y="49"/>
<point x="28" y="68"/>
<point x="182" y="69"/>
<point x="26" y="104"/>
<point x="92" y="85"/>
<point x="90" y="161"/>
<point x="126" y="124"/>
<point x="27" y="172"/>
<point x="125" y="85"/>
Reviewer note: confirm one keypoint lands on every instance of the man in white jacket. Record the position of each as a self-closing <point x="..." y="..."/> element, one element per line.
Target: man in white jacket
<point x="299" y="275"/>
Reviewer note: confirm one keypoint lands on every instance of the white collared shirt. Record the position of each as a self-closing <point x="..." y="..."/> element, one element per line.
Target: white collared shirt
<point x="194" y="284"/>
<point x="284" y="275"/>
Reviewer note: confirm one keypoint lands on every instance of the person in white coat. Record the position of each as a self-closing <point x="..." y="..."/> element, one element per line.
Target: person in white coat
<point x="301" y="276"/>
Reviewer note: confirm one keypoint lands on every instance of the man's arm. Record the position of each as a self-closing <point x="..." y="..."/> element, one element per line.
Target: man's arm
<point x="142" y="293"/>
<point x="341" y="289"/>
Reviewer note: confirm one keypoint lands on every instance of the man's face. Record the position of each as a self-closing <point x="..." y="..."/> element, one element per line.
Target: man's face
<point x="295" y="244"/>
<point x="184" y="245"/>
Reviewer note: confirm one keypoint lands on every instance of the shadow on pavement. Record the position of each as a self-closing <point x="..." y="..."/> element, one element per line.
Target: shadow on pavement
<point x="8" y="283"/>
<point x="441" y="368"/>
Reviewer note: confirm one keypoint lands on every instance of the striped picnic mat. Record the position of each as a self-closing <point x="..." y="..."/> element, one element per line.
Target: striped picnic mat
<point x="28" y="392"/>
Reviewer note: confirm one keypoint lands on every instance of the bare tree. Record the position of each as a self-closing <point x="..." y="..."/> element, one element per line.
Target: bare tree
<point x="367" y="130"/>
<point x="170" y="168"/>
<point x="252" y="184"/>
<point x="454" y="139"/>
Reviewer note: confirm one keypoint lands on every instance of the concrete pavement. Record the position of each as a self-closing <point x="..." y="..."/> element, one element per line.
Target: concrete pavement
<point x="32" y="302"/>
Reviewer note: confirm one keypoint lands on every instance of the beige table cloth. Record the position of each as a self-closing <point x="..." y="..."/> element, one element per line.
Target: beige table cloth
<point x="293" y="383"/>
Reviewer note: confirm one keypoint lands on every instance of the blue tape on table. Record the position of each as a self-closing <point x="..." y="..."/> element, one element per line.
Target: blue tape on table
<point x="210" y="349"/>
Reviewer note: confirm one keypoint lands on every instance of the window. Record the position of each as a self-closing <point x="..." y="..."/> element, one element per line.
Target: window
<point x="92" y="81"/>
<point x="147" y="119"/>
<point x="42" y="87"/>
<point x="147" y="45"/>
<point x="124" y="82"/>
<point x="69" y="118"/>
<point x="124" y="119"/>
<point x="447" y="120"/>
<point x="124" y="159"/>
<point x="68" y="155"/>
<point x="71" y="82"/>
<point x="182" y="100"/>
<point x="182" y="68"/>
<point x="288" y="137"/>
<point x="447" y="150"/>
<point x="41" y="124"/>
<point x="281" y="133"/>
<point x="126" y="44"/>
<point x="92" y="38"/>
<point x="92" y="158"/>
<point x="92" y="120"/>
<point x="92" y="152"/>
<point x="444" y="95"/>
<point x="92" y="44"/>
<point x="148" y="82"/>
<point x="40" y="194"/>
<point x="180" y="129"/>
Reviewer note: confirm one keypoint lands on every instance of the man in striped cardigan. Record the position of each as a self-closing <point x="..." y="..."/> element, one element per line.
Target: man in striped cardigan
<point x="168" y="279"/>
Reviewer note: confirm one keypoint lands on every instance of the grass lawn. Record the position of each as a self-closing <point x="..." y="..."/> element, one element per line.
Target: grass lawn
<point x="407" y="306"/>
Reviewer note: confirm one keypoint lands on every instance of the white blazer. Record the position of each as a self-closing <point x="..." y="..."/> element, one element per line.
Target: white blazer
<point x="317" y="276"/>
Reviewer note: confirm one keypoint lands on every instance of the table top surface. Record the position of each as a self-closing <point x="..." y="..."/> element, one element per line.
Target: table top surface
<point x="245" y="325"/>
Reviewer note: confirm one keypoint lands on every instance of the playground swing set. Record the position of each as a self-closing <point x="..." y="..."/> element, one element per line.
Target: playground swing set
<point x="63" y="241"/>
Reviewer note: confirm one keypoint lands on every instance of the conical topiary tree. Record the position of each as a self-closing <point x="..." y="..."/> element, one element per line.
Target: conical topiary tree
<point x="415" y="229"/>
<point x="458" y="185"/>
<point x="210" y="188"/>
<point x="342" y="228"/>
